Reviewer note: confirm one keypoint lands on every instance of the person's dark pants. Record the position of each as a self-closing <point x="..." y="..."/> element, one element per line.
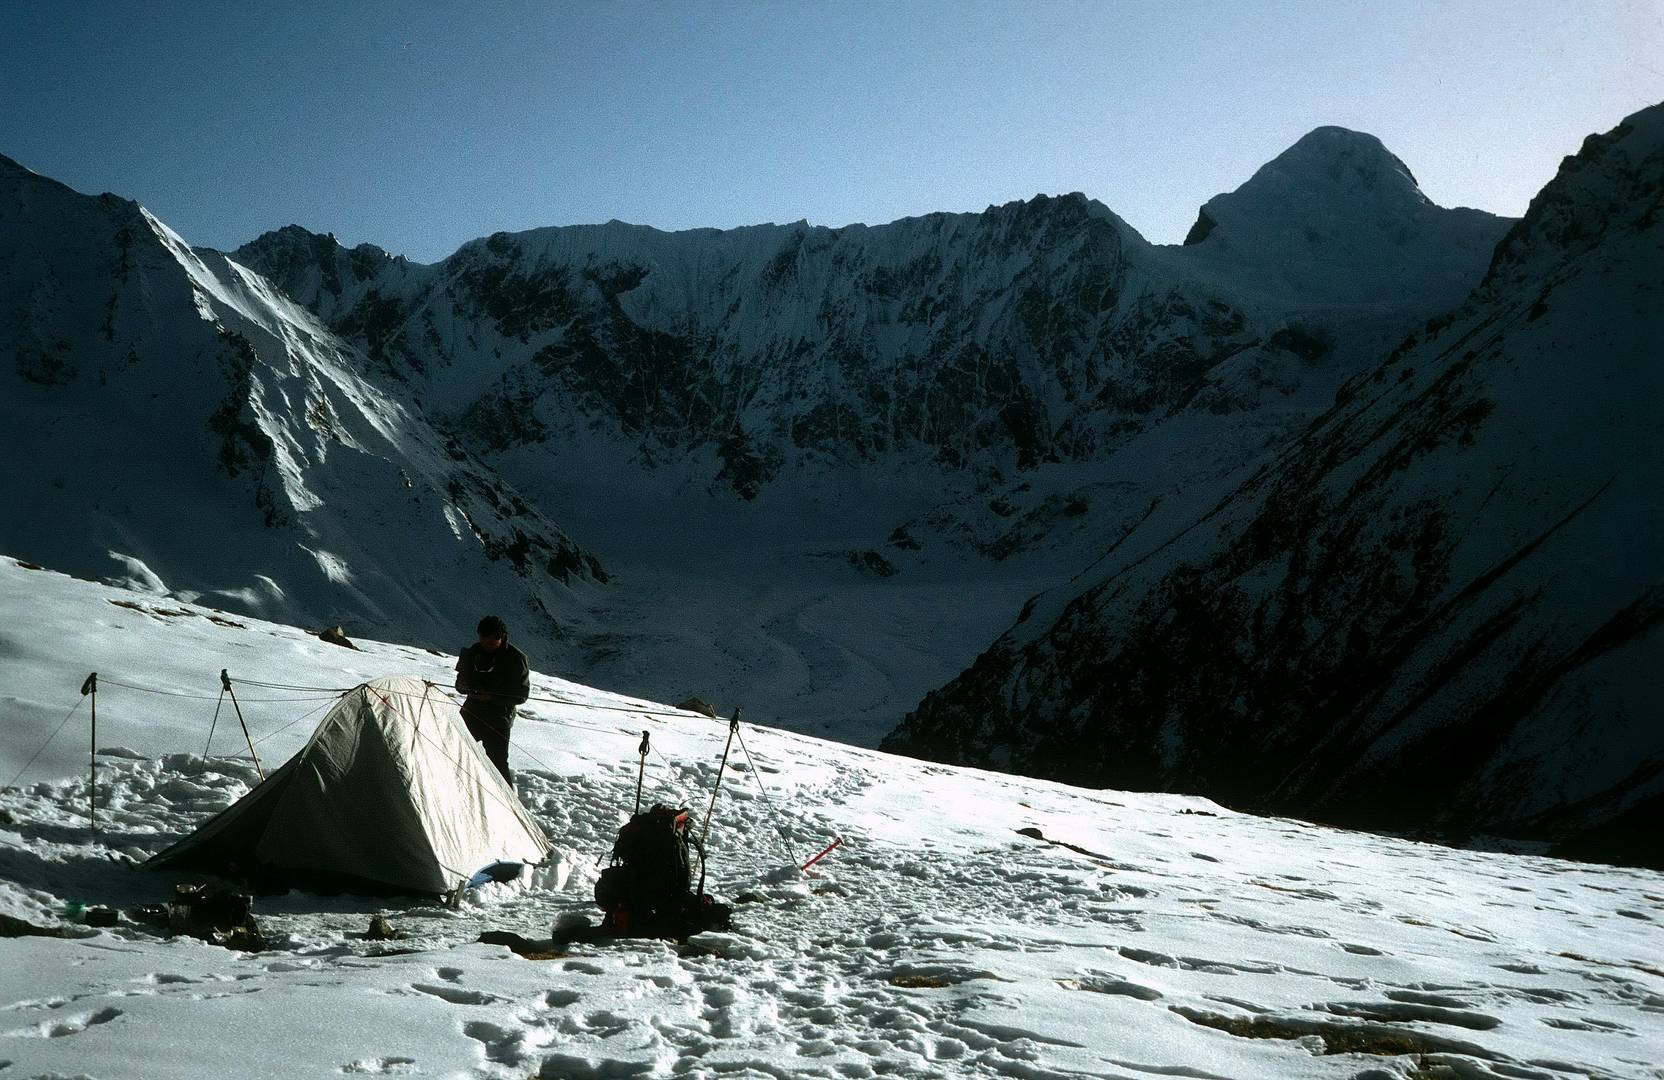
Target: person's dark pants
<point x="490" y="730"/>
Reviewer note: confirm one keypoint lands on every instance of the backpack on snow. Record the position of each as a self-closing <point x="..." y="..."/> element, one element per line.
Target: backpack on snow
<point x="646" y="891"/>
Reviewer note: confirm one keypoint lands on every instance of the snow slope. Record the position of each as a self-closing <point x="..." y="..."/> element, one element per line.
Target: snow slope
<point x="1161" y="935"/>
<point x="1440" y="607"/>
<point x="170" y="420"/>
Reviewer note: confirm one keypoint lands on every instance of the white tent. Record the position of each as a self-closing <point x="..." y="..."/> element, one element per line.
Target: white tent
<point x="390" y="792"/>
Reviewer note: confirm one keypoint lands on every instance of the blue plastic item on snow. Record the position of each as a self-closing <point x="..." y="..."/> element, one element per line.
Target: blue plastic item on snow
<point x="500" y="870"/>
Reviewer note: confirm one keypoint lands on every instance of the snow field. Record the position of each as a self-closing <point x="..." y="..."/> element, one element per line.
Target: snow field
<point x="1142" y="935"/>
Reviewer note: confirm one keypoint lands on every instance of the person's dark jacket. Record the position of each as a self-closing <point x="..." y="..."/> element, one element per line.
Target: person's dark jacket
<point x="495" y="682"/>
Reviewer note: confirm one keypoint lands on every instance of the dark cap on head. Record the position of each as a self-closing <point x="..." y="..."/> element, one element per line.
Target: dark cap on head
<point x="492" y="626"/>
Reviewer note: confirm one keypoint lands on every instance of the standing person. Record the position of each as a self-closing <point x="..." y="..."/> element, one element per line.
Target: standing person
<point x="496" y="676"/>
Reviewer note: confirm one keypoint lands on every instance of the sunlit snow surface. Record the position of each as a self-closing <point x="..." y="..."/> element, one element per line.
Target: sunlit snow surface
<point x="1173" y="938"/>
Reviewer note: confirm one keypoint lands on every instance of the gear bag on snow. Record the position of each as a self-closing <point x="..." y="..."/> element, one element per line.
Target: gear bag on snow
<point x="646" y="890"/>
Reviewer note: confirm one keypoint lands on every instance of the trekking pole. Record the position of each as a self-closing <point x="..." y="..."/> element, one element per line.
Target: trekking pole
<point x="225" y="684"/>
<point x="733" y="729"/>
<point x="90" y="686"/>
<point x="641" y="770"/>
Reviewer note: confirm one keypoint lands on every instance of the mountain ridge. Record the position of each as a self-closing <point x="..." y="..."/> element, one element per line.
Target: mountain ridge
<point x="572" y="313"/>
<point x="208" y="437"/>
<point x="1434" y="608"/>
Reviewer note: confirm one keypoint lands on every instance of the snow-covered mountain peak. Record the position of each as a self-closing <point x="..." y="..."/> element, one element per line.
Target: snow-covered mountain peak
<point x="1338" y="220"/>
<point x="1332" y="174"/>
<point x="1337" y="157"/>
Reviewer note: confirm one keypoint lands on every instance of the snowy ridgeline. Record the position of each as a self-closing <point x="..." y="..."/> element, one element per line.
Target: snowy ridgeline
<point x="1145" y="935"/>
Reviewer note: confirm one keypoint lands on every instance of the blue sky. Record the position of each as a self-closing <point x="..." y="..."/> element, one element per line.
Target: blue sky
<point x="417" y="128"/>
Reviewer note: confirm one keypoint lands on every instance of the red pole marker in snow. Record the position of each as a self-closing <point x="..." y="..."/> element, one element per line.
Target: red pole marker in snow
<point x="836" y="842"/>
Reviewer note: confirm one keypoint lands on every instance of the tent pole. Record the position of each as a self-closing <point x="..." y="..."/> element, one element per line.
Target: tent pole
<point x="90" y="686"/>
<point x="225" y="683"/>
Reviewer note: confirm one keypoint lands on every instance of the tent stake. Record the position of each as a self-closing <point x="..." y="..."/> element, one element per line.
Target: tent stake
<point x="225" y="683"/>
<point x="90" y="686"/>
<point x="836" y="843"/>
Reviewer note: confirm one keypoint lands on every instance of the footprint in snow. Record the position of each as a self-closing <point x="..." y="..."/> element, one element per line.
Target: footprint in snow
<point x="582" y="1068"/>
<point x="1421" y="997"/>
<point x="1542" y="995"/>
<point x="36" y="1003"/>
<point x="604" y="1024"/>
<point x="456" y="995"/>
<point x="69" y="1025"/>
<point x="1399" y="1011"/>
<point x="380" y="1066"/>
<point x="1521" y="969"/>
<point x="583" y="967"/>
<point x="1588" y="1023"/>
<point x="1362" y="950"/>
<point x="1195" y="963"/>
<point x="1107" y="984"/>
<point x="500" y="1044"/>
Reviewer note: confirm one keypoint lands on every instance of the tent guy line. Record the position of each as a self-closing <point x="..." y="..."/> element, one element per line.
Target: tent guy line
<point x="105" y="681"/>
<point x="55" y="733"/>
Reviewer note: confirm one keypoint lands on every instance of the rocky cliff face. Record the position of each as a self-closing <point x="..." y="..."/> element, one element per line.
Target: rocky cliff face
<point x="1440" y="607"/>
<point x="179" y="424"/>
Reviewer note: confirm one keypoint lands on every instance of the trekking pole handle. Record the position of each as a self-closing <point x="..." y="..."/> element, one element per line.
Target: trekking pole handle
<point x="90" y="685"/>
<point x="641" y="772"/>
<point x="642" y="749"/>
<point x="225" y="679"/>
